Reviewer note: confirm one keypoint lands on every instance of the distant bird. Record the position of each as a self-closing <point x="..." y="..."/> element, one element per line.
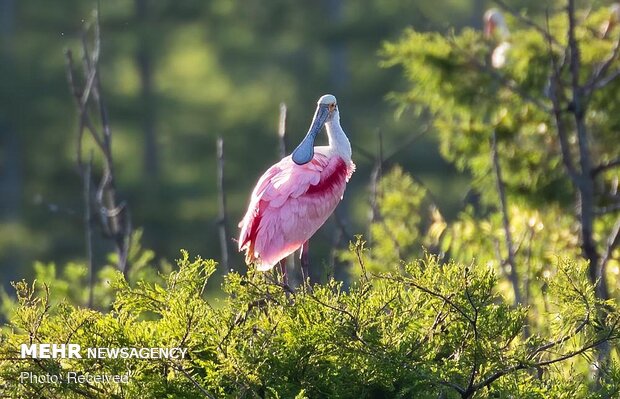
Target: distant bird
<point x="495" y="28"/>
<point x="610" y="23"/>
<point x="294" y="197"/>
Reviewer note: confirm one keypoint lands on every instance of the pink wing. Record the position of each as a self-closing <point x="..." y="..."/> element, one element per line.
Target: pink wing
<point x="288" y="205"/>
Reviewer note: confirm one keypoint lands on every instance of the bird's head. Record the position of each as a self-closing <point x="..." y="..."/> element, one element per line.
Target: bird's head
<point x="326" y="110"/>
<point x="495" y="24"/>
<point x="327" y="102"/>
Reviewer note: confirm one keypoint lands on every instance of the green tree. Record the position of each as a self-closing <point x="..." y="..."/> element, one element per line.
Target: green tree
<point x="538" y="136"/>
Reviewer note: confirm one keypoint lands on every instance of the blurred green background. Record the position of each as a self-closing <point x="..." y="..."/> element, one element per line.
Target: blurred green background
<point x="178" y="74"/>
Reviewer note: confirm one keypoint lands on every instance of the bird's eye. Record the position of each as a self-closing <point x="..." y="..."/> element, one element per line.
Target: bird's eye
<point x="332" y="107"/>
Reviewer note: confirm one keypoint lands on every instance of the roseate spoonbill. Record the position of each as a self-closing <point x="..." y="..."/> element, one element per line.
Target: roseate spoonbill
<point x="610" y="23"/>
<point x="495" y="28"/>
<point x="294" y="197"/>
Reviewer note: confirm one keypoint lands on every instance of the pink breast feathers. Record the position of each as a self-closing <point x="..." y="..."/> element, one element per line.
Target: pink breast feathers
<point x="290" y="203"/>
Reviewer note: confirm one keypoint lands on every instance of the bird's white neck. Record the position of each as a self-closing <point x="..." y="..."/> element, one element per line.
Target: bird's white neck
<point x="338" y="141"/>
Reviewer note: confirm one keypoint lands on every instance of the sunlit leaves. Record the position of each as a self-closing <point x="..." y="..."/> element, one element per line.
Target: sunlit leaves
<point x="420" y="332"/>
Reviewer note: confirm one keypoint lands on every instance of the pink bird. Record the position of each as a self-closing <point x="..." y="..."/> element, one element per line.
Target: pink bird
<point x="294" y="197"/>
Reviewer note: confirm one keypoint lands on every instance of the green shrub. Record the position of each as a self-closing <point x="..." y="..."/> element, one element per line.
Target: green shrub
<point x="431" y="330"/>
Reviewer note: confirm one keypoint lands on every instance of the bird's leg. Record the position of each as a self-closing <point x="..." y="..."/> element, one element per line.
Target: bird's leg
<point x="282" y="264"/>
<point x="305" y="262"/>
<point x="284" y="284"/>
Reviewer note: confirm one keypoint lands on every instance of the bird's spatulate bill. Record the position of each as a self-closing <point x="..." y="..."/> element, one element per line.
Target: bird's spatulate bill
<point x="305" y="150"/>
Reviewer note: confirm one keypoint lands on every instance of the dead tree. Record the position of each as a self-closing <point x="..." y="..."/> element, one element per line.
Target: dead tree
<point x="93" y="122"/>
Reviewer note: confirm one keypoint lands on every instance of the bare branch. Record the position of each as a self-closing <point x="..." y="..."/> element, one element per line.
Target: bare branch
<point x="561" y="340"/>
<point x="405" y="144"/>
<point x="341" y="224"/>
<point x="221" y="191"/>
<point x="503" y="80"/>
<point x="501" y="191"/>
<point x="193" y="381"/>
<point x="605" y="166"/>
<point x="375" y="176"/>
<point x="88" y="231"/>
<point x="528" y="22"/>
<point x="613" y="240"/>
<point x="114" y="215"/>
<point x="282" y="130"/>
<point x="555" y="92"/>
<point x="600" y="74"/>
<point x="523" y="366"/>
<point x="474" y="324"/>
<point x="607" y="209"/>
<point x="430" y="292"/>
<point x="608" y="79"/>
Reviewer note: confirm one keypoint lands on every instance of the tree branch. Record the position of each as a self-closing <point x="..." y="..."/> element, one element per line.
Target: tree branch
<point x="503" y="80"/>
<point x="528" y="22"/>
<point x="600" y="74"/>
<point x="605" y="166"/>
<point x="114" y="215"/>
<point x="555" y="91"/>
<point x="607" y="209"/>
<point x="613" y="240"/>
<point x="221" y="191"/>
<point x="501" y="191"/>
<point x="88" y="231"/>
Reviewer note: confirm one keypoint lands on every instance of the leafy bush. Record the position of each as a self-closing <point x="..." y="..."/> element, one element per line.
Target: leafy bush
<point x="432" y="329"/>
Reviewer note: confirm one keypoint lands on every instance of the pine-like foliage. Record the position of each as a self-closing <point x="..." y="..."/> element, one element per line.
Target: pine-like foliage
<point x="434" y="329"/>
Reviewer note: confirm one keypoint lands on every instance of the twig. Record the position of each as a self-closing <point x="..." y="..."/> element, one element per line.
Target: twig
<point x="333" y="254"/>
<point x="528" y="22"/>
<point x="221" y="190"/>
<point x="559" y="341"/>
<point x="522" y="366"/>
<point x="474" y="324"/>
<point x="501" y="192"/>
<point x="88" y="231"/>
<point x="114" y="215"/>
<point x="608" y="79"/>
<point x="363" y="152"/>
<point x="375" y="176"/>
<point x="504" y="81"/>
<point x="289" y="261"/>
<point x="556" y="89"/>
<point x="341" y="224"/>
<point x="282" y="129"/>
<point x="605" y="166"/>
<point x="613" y="240"/>
<point x="193" y="381"/>
<point x="607" y="209"/>
<point x="600" y="73"/>
<point x="430" y="292"/>
<point x="405" y="144"/>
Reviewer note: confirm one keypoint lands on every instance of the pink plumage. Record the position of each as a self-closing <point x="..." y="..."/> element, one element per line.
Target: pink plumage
<point x="288" y="205"/>
<point x="291" y="201"/>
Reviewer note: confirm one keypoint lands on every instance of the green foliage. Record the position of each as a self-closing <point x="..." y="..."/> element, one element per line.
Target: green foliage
<point x="431" y="329"/>
<point x="395" y="232"/>
<point x="70" y="283"/>
<point x="451" y="76"/>
<point x="472" y="102"/>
